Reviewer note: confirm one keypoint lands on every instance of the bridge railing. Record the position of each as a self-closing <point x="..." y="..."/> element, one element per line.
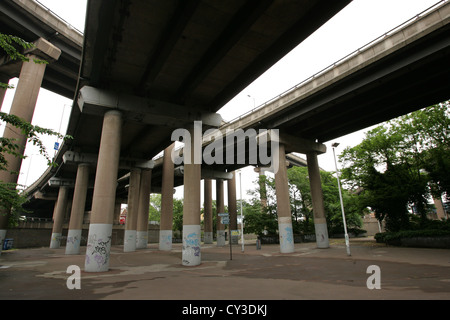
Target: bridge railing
<point x="328" y="68"/>
<point x="54" y="14"/>
<point x="341" y="60"/>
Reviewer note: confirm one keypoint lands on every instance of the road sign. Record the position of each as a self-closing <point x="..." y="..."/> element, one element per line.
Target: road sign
<point x="225" y="220"/>
<point x="225" y="214"/>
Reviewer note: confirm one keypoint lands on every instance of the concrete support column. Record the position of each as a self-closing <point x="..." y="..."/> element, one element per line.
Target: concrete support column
<point x="232" y="208"/>
<point x="285" y="231"/>
<point x="144" y="203"/>
<point x="129" y="239"/>
<point x="320" y="223"/>
<point x="191" y="252"/>
<point x="5" y="80"/>
<point x="103" y="203"/>
<point x="220" y="208"/>
<point x="77" y="213"/>
<point x="25" y="97"/>
<point x="23" y="105"/>
<point x="207" y="213"/>
<point x="166" y="223"/>
<point x="58" y="217"/>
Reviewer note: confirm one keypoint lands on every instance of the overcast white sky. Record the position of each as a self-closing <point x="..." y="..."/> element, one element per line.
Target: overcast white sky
<point x="357" y="24"/>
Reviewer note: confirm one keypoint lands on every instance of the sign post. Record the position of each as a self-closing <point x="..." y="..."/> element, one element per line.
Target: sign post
<point x="225" y="219"/>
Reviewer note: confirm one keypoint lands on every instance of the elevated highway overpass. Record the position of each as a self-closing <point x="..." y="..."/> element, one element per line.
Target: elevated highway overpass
<point x="30" y="21"/>
<point x="193" y="57"/>
<point x="181" y="60"/>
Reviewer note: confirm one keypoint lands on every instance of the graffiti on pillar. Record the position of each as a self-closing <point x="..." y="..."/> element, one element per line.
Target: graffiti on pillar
<point x="99" y="249"/>
<point x="130" y="238"/>
<point x="191" y="246"/>
<point x="289" y="235"/>
<point x="56" y="237"/>
<point x="166" y="239"/>
<point x="192" y="241"/>
<point x="72" y="240"/>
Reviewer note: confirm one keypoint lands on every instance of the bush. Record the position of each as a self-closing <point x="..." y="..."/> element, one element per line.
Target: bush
<point x="428" y="228"/>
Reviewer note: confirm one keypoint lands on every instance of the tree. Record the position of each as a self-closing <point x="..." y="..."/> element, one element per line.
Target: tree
<point x="395" y="163"/>
<point x="177" y="215"/>
<point x="260" y="216"/>
<point x="154" y="210"/>
<point x="262" y="219"/>
<point x="433" y="135"/>
<point x="301" y="201"/>
<point x="303" y="219"/>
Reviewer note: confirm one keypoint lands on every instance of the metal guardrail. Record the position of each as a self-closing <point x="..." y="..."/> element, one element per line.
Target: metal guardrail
<point x="357" y="51"/>
<point x="54" y="14"/>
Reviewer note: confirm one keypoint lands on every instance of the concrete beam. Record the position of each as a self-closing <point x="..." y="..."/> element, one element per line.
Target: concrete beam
<point x="96" y="101"/>
<point x="45" y="50"/>
<point x="294" y="144"/>
<point x="42" y="196"/>
<point x="60" y="182"/>
<point x="207" y="173"/>
<point x="71" y="157"/>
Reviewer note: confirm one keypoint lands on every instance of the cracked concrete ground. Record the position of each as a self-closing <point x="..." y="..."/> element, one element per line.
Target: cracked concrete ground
<point x="266" y="274"/>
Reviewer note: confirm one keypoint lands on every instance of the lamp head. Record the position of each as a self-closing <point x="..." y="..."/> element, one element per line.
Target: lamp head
<point x="334" y="145"/>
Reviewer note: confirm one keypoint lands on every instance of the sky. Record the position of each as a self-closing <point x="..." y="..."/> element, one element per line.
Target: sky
<point x="356" y="25"/>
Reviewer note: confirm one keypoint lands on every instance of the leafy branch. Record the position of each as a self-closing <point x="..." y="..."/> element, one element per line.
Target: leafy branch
<point x="13" y="46"/>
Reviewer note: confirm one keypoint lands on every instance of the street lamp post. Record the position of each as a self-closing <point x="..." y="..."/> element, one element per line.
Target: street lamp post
<point x="242" y="214"/>
<point x="347" y="242"/>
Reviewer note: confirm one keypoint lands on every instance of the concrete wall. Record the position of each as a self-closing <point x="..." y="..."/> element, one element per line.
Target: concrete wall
<point x="38" y="234"/>
<point x="370" y="224"/>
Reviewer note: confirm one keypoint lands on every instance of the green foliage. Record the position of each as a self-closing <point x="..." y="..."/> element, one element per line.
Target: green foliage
<point x="13" y="47"/>
<point x="31" y="132"/>
<point x="257" y="219"/>
<point x="11" y="201"/>
<point x="154" y="209"/>
<point x="262" y="219"/>
<point x="177" y="215"/>
<point x="260" y="213"/>
<point x="431" y="228"/>
<point x="401" y="163"/>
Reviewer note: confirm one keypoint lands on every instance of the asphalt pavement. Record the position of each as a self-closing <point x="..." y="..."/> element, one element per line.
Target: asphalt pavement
<point x="372" y="272"/>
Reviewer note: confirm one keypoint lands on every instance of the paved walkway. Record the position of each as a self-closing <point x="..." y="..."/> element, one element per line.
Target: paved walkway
<point x="308" y="273"/>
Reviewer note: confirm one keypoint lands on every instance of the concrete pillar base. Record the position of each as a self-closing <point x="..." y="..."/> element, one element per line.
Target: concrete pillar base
<point x="98" y="247"/>
<point x="191" y="253"/>
<point x="141" y="239"/>
<point x="165" y="240"/>
<point x="321" y="235"/>
<point x="73" y="241"/>
<point x="208" y="237"/>
<point x="129" y="241"/>
<point x="55" y="241"/>
<point x="286" y="235"/>
<point x="220" y="238"/>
